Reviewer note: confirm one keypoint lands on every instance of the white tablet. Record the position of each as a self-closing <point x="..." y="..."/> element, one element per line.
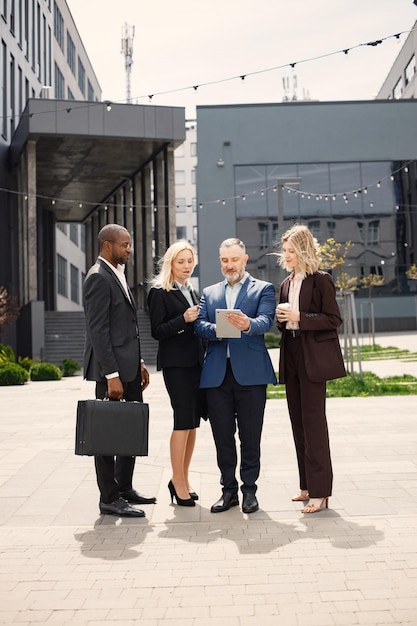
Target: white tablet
<point x="224" y="329"/>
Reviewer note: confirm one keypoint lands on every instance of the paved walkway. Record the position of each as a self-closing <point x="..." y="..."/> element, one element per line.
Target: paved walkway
<point x="356" y="563"/>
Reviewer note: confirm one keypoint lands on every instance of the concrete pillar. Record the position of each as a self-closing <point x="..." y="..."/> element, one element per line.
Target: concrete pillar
<point x="30" y="236"/>
<point x="143" y="221"/>
<point x="170" y="202"/>
<point x="22" y="229"/>
<point x="89" y="238"/>
<point x="119" y="215"/>
<point x="159" y="200"/>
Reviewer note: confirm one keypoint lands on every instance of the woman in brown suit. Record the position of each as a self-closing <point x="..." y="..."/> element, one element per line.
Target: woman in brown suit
<point x="310" y="355"/>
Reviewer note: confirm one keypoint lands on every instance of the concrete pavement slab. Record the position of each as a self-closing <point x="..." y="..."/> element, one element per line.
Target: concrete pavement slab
<point x="61" y="562"/>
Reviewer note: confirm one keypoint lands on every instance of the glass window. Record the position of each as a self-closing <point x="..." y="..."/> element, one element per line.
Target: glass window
<point x="373" y="233"/>
<point x="59" y="84"/>
<point x="20" y="87"/>
<point x="410" y="70"/>
<point x="58" y="26"/>
<point x="75" y="297"/>
<point x="82" y="237"/>
<point x="263" y="235"/>
<point x="181" y="205"/>
<point x="26" y="29"/>
<point x="193" y="149"/>
<point x="4" y="90"/>
<point x="70" y="53"/>
<point x="398" y="90"/>
<point x="4" y="9"/>
<point x="12" y="15"/>
<point x="70" y="94"/>
<point x="331" y="229"/>
<point x="74" y="233"/>
<point x="20" y="22"/>
<point x="193" y="176"/>
<point x="179" y="177"/>
<point x="12" y="94"/>
<point x="62" y="276"/>
<point x="62" y="227"/>
<point x="33" y="35"/>
<point x="361" y="231"/>
<point x="81" y="76"/>
<point x="314" y="226"/>
<point x="194" y="205"/>
<point x="90" y="92"/>
<point x="181" y="232"/>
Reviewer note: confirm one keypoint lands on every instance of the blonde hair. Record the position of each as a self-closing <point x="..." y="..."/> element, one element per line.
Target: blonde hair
<point x="306" y="248"/>
<point x="165" y="279"/>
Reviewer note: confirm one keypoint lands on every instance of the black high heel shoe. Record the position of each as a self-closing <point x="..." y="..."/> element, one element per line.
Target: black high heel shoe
<point x="180" y="501"/>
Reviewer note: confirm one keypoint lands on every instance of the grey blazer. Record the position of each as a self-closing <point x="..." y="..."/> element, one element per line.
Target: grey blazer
<point x="112" y="333"/>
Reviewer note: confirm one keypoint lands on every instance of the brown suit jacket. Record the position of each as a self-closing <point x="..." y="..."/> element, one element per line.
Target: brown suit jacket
<point x="319" y="319"/>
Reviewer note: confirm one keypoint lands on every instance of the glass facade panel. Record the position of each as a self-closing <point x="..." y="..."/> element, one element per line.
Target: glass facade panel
<point x="346" y="201"/>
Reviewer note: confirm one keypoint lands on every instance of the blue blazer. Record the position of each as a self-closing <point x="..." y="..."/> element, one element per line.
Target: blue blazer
<point x="249" y="358"/>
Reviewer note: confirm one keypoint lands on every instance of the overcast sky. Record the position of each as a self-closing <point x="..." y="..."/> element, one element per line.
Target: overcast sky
<point x="181" y="43"/>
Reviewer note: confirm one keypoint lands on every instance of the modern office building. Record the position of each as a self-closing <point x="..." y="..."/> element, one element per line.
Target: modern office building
<point x="67" y="158"/>
<point x="401" y="79"/>
<point x="335" y="166"/>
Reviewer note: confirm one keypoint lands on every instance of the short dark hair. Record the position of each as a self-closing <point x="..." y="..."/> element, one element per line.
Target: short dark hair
<point x="110" y="232"/>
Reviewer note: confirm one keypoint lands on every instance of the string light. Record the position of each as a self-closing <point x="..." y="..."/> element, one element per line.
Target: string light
<point x="302" y="192"/>
<point x="241" y="77"/>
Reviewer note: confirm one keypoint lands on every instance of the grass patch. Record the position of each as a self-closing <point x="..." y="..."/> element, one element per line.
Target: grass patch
<point x="376" y="353"/>
<point x="353" y="386"/>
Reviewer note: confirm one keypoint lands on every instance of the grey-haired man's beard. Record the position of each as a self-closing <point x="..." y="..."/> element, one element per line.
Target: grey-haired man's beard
<point x="235" y="276"/>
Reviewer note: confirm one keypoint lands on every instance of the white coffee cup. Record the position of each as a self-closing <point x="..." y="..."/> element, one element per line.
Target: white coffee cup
<point x="284" y="306"/>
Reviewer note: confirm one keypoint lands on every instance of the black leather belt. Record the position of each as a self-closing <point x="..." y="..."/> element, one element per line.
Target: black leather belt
<point x="292" y="333"/>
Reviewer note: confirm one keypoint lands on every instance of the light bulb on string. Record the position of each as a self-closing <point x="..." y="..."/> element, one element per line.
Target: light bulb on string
<point x="406" y="169"/>
<point x="378" y="184"/>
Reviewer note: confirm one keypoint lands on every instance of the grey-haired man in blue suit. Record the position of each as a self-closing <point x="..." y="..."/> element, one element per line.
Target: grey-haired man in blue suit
<point x="236" y="372"/>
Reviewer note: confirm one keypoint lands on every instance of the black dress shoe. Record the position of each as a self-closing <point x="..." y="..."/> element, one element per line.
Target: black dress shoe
<point x="121" y="508"/>
<point x="250" y="503"/>
<point x="137" y="498"/>
<point x="227" y="500"/>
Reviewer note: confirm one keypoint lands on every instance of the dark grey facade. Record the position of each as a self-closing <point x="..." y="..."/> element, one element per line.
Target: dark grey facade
<point x="343" y="168"/>
<point x="93" y="164"/>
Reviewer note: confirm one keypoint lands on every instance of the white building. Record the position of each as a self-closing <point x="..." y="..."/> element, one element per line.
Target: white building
<point x="401" y="79"/>
<point x="185" y="185"/>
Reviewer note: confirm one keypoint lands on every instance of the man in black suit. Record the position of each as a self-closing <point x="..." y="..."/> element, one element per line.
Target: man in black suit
<point x="112" y="358"/>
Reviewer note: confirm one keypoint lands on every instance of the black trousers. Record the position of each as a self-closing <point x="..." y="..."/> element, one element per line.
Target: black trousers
<point x="232" y="406"/>
<point x="115" y="474"/>
<point x="307" y="408"/>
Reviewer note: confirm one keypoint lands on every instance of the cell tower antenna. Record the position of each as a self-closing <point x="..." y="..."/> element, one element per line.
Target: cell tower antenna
<point x="128" y="34"/>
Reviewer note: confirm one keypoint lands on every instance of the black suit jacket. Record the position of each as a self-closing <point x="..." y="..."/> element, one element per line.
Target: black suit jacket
<point x="178" y="346"/>
<point x="112" y="333"/>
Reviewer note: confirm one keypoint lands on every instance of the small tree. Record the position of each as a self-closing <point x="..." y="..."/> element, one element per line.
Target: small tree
<point x="334" y="256"/>
<point x="9" y="311"/>
<point x="412" y="272"/>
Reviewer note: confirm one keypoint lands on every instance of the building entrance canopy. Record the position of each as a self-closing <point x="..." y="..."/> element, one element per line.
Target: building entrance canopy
<point x="85" y="151"/>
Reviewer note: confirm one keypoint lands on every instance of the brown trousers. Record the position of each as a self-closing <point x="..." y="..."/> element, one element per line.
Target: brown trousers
<point x="307" y="408"/>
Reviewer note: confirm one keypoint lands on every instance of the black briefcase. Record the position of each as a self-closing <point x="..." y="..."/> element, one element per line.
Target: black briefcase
<point x="112" y="428"/>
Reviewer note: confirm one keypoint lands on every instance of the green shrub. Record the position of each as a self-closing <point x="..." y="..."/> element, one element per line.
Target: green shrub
<point x="13" y="374"/>
<point x="45" y="371"/>
<point x="6" y="354"/>
<point x="26" y="362"/>
<point x="272" y="340"/>
<point x="69" y="367"/>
